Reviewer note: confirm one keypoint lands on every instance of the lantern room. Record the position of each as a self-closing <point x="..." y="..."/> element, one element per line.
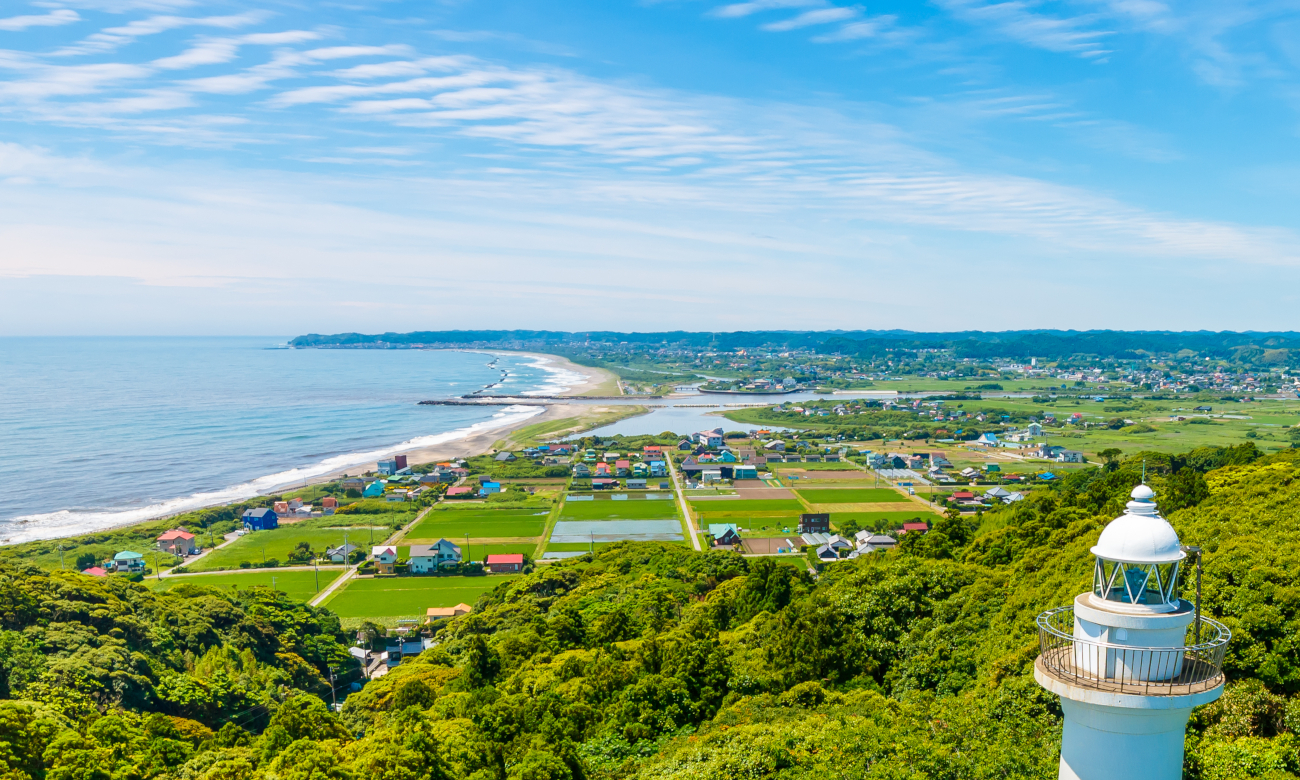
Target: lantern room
<point x="1138" y="556"/>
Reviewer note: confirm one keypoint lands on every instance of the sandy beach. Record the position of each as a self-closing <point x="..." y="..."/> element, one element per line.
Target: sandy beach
<point x="480" y="442"/>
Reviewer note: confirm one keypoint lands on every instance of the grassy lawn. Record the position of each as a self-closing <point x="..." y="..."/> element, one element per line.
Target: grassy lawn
<point x="279" y="542"/>
<point x="299" y="585"/>
<point x="388" y="598"/>
<point x="480" y="523"/>
<point x="619" y="510"/>
<point x="850" y="495"/>
<point x="883" y="519"/>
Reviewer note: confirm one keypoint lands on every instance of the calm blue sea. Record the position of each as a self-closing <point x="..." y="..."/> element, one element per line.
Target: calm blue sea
<point x="99" y="432"/>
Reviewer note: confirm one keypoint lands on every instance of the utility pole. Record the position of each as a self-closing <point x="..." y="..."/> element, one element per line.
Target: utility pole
<point x="316" y="572"/>
<point x="273" y="582"/>
<point x="333" y="697"/>
<point x="61" y="557"/>
<point x="157" y="573"/>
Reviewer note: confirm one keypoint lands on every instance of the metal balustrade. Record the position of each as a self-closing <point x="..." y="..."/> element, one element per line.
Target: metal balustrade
<point x="1121" y="668"/>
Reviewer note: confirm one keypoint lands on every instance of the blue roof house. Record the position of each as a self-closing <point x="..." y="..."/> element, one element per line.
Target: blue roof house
<point x="373" y="490"/>
<point x="261" y="519"/>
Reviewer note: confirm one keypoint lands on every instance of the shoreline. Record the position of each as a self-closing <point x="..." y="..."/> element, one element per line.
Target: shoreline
<point x="474" y="441"/>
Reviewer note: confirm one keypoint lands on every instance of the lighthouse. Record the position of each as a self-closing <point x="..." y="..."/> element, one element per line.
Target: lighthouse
<point x="1131" y="658"/>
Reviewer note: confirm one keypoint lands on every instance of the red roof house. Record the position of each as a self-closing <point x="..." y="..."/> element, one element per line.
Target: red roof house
<point x="177" y="541"/>
<point x="919" y="528"/>
<point x="459" y="491"/>
<point x="95" y="571"/>
<point x="505" y="564"/>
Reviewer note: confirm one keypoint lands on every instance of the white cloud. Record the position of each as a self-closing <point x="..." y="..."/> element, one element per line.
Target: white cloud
<point x="212" y="52"/>
<point x="736" y="10"/>
<point x="855" y="31"/>
<point x="115" y="37"/>
<point x="809" y="18"/>
<point x="1020" y="22"/>
<point x="52" y="19"/>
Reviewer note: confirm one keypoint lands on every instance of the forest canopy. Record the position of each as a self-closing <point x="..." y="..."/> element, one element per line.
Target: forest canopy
<point x="653" y="661"/>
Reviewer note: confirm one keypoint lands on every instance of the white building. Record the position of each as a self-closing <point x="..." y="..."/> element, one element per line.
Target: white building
<point x="1118" y="657"/>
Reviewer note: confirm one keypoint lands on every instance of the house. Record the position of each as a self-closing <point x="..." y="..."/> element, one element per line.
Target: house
<point x="881" y="541"/>
<point x="1070" y="456"/>
<point x="427" y="558"/>
<point x="353" y="483"/>
<point x="1047" y="476"/>
<point x="281" y="507"/>
<point x="998" y="493"/>
<point x="128" y="562"/>
<point x="505" y="564"/>
<point x="915" y="528"/>
<point x="746" y="472"/>
<point x="95" y="571"/>
<point x="622" y="468"/>
<point x="490" y="487"/>
<point x="684" y="444"/>
<point x="728" y="456"/>
<point x="328" y="505"/>
<point x="396" y="495"/>
<point x="1034" y="429"/>
<point x="260" y="519"/>
<point x="373" y="490"/>
<point x="341" y="553"/>
<point x="600" y="483"/>
<point x="724" y="534"/>
<point x="963" y="495"/>
<point x="640" y="470"/>
<point x="386" y="467"/>
<point x="611" y="457"/>
<point x="636" y="484"/>
<point x="385" y="558"/>
<point x="434" y="613"/>
<point x="988" y="440"/>
<point x="505" y="457"/>
<point x="992" y="468"/>
<point x="581" y="470"/>
<point x="711" y="475"/>
<point x="177" y="542"/>
<point x="710" y="439"/>
<point x="827" y="553"/>
<point x="775" y="446"/>
<point x="815" y="523"/>
<point x="1204" y="409"/>
<point x="459" y="492"/>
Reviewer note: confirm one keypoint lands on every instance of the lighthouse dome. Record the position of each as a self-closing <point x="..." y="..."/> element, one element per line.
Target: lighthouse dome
<point x="1140" y="535"/>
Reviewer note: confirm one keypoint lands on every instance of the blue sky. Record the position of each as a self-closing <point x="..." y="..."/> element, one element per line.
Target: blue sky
<point x="181" y="166"/>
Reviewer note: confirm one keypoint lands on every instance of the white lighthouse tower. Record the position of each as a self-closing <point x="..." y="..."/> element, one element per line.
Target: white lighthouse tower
<point x="1131" y="659"/>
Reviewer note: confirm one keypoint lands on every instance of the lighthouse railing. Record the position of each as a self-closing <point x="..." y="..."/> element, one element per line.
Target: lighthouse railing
<point x="1123" y="668"/>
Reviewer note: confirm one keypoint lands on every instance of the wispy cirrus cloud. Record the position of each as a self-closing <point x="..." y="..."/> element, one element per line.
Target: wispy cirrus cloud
<point x="814" y="17"/>
<point x="114" y="37"/>
<point x="1023" y="22"/>
<point x="54" y="18"/>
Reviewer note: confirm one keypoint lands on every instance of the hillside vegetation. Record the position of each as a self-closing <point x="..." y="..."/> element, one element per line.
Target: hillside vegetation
<point x="653" y="661"/>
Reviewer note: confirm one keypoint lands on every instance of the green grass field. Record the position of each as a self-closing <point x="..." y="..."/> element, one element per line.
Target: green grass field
<point x="619" y="510"/>
<point x="388" y="598"/>
<point x="752" y="505"/>
<point x="299" y="585"/>
<point x="480" y="523"/>
<point x="850" y="495"/>
<point x="278" y="543"/>
<point x="480" y="552"/>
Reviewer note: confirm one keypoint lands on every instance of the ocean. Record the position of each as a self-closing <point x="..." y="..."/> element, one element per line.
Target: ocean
<point x="101" y="432"/>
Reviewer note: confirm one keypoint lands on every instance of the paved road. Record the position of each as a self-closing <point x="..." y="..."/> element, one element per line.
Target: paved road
<point x="681" y="499"/>
<point x="351" y="571"/>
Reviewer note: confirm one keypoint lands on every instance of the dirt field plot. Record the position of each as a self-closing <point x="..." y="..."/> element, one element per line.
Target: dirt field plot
<point x="752" y="494"/>
<point x="772" y="545"/>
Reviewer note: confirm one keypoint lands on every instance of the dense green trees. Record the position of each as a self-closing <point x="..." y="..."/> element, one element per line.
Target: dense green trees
<point x="652" y="661"/>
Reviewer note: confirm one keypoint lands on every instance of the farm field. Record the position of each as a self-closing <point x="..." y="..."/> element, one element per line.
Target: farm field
<point x="385" y="600"/>
<point x="851" y="495"/>
<point x="883" y="520"/>
<point x="619" y="510"/>
<point x="480" y="523"/>
<point x="479" y="551"/>
<point x="298" y="585"/>
<point x="817" y="466"/>
<point x="580" y="531"/>
<point x="279" y="542"/>
<point x="743" y="506"/>
<point x="574" y="546"/>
